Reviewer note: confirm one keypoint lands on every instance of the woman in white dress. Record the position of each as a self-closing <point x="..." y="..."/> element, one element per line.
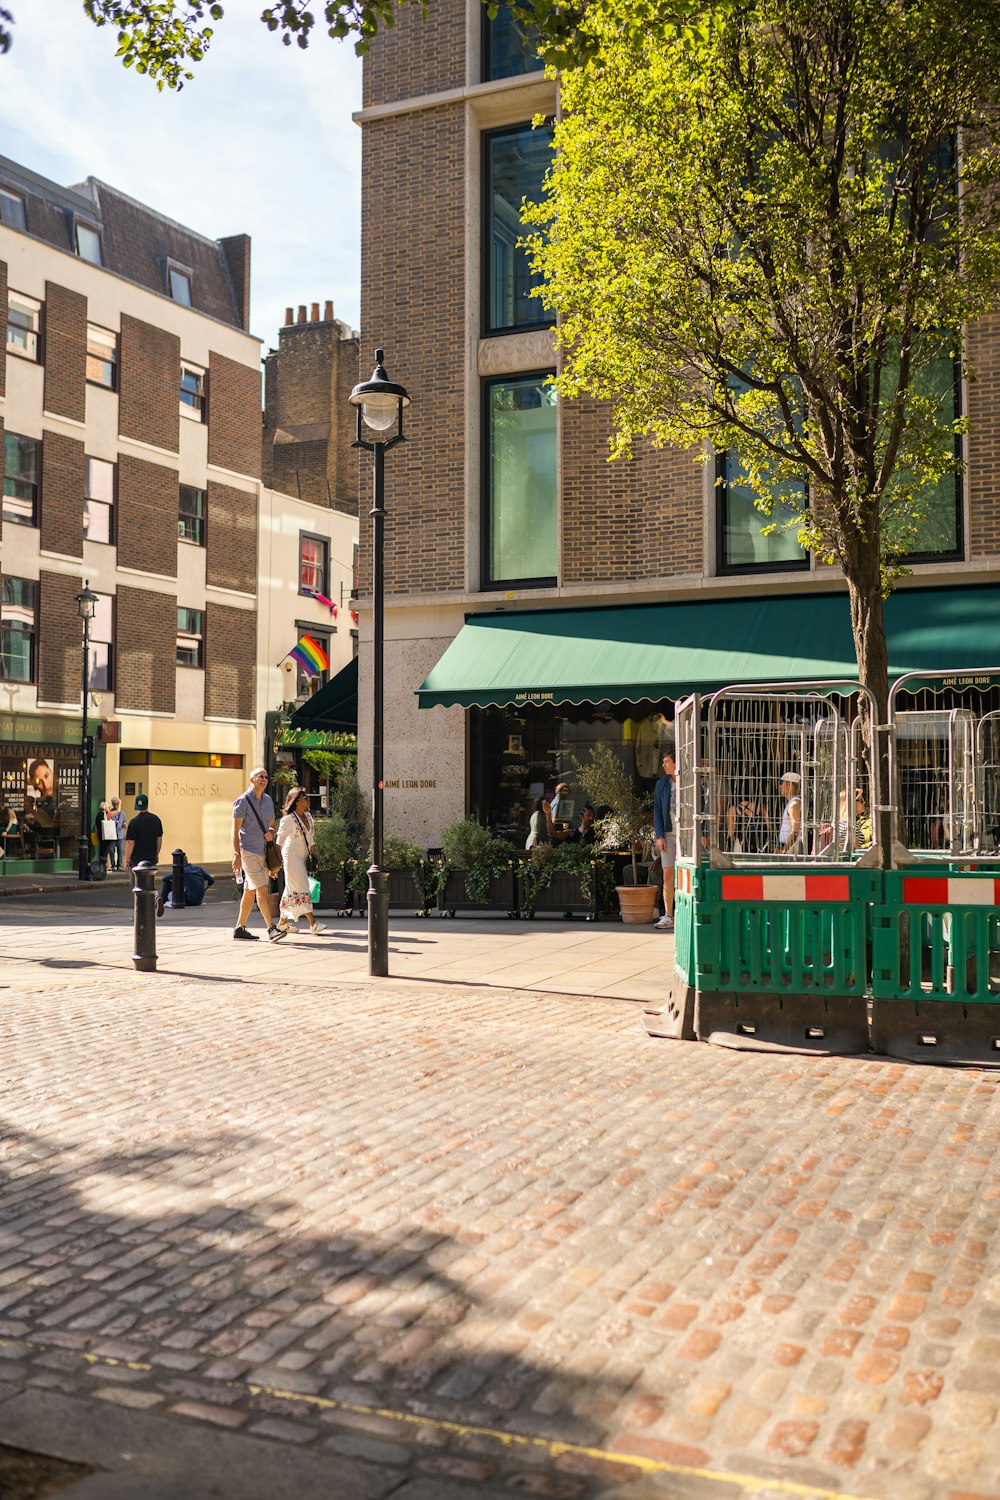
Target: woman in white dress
<point x="295" y="840"/>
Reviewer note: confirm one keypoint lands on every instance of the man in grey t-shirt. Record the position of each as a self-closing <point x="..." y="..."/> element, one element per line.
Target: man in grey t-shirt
<point x="253" y="830"/>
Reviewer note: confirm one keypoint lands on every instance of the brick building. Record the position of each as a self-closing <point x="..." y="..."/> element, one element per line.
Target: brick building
<point x="130" y="434"/>
<point x="538" y="598"/>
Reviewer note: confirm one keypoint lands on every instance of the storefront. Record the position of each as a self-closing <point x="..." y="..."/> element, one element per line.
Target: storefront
<point x="40" y="791"/>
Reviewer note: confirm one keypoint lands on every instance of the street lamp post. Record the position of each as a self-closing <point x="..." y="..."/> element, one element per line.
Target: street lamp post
<point x="86" y="604"/>
<point x="380" y="403"/>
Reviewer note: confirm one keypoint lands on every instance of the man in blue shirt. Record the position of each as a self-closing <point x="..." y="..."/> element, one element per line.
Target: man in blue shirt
<point x="665" y="829"/>
<point x="253" y="830"/>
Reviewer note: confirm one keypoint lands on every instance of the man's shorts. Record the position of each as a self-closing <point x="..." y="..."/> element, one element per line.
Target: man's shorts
<point x="255" y="871"/>
<point x="668" y="854"/>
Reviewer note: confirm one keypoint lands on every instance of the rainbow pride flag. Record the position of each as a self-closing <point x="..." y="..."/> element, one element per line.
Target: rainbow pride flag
<point x="310" y="656"/>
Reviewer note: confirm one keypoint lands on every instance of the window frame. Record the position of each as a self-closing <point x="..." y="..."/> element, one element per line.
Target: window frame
<point x="726" y="569"/>
<point x="105" y="385"/>
<point x="185" y="634"/>
<point x="110" y="506"/>
<point x="202" y="519"/>
<point x="323" y="636"/>
<point x="31" y="634"/>
<point x="87" y="228"/>
<point x="102" y="652"/>
<point x="7" y="219"/>
<point x="36" y="333"/>
<point x="36" y="483"/>
<point x="174" y="268"/>
<point x="486" y="51"/>
<point x="545" y="321"/>
<point x="915" y="559"/>
<point x="196" y="410"/>
<point x="324" y="541"/>
<point x="487" y="583"/>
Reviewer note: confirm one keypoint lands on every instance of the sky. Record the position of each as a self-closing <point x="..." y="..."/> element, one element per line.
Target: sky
<point x="260" y="142"/>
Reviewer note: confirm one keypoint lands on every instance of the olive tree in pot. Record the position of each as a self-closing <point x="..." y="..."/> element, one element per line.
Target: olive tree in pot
<point x="608" y="784"/>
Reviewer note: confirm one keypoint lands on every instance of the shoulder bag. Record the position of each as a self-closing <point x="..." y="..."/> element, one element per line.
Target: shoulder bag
<point x="272" y="854"/>
<point x="311" y="860"/>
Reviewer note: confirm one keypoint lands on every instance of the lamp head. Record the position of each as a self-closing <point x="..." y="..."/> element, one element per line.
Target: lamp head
<point x="86" y="603"/>
<point x="380" y="400"/>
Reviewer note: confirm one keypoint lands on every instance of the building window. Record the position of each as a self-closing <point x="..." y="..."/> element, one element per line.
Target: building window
<point x="305" y="683"/>
<point x="520" y="488"/>
<point x="938" y="535"/>
<point x="743" y="545"/>
<point x="24" y="325"/>
<point x="11" y="209"/>
<point x="88" y="244"/>
<point x="21" y="468"/>
<point x="314" y="554"/>
<point x="192" y="393"/>
<point x="510" y="47"/>
<point x="179" y="284"/>
<point x="191" y="516"/>
<point x="102" y="357"/>
<point x="17" y="630"/>
<point x="101" y="638"/>
<point x="98" y="500"/>
<point x="190" y="637"/>
<point x="516" y="163"/>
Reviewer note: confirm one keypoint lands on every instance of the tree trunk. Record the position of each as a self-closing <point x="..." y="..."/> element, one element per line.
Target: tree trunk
<point x="864" y="587"/>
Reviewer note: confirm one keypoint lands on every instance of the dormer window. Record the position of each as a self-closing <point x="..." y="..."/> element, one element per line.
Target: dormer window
<point x="88" y="244"/>
<point x="179" y="283"/>
<point x="11" y="209"/>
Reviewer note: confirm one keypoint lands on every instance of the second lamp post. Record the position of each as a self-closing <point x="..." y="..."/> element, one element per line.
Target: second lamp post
<point x="380" y="404"/>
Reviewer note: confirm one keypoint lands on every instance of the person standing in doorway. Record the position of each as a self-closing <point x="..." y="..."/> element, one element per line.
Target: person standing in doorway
<point x="143" y="836"/>
<point x="665" y="831"/>
<point x="253" y="830"/>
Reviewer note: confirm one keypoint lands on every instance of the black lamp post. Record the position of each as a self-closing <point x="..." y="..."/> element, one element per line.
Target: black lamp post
<point x="86" y="604"/>
<point x="381" y="404"/>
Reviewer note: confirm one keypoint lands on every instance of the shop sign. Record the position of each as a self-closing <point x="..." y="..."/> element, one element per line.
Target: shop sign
<point x="533" y="697"/>
<point x="980" y="680"/>
<point x="315" y="739"/>
<point x="30" y="729"/>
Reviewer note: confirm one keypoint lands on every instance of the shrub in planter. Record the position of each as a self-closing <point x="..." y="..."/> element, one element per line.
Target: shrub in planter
<point x="332" y="848"/>
<point x="401" y="858"/>
<point x="481" y="855"/>
<point x="546" y="861"/>
<point x="608" y="783"/>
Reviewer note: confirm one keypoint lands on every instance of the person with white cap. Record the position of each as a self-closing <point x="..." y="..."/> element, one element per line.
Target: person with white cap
<point x="791" y="818"/>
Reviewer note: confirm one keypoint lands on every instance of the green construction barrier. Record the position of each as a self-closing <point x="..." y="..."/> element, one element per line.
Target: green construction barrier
<point x="936" y="936"/>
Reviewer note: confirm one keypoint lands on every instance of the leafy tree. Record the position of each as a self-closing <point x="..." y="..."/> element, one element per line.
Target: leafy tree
<point x="761" y="234"/>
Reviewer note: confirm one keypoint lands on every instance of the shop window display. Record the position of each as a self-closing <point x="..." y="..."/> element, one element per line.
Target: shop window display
<point x="40" y="788"/>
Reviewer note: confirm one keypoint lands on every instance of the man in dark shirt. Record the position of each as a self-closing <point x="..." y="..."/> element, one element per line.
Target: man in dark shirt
<point x="143" y="836"/>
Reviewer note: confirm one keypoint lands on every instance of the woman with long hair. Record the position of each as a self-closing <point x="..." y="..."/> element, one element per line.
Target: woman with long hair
<point x="295" y="840"/>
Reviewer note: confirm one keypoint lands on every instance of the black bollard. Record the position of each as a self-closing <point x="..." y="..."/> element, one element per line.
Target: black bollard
<point x="144" y="906"/>
<point x="177" y="887"/>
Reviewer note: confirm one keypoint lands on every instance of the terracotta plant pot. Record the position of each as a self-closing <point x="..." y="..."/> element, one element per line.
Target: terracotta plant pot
<point x="638" y="902"/>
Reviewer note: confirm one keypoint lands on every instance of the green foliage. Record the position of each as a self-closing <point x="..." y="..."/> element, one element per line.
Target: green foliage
<point x="325" y="763"/>
<point x="399" y="853"/>
<point x="158" y="38"/>
<point x="349" y="801"/>
<point x="545" y="861"/>
<point x="607" y="783"/>
<point x="467" y="846"/>
<point x="331" y="842"/>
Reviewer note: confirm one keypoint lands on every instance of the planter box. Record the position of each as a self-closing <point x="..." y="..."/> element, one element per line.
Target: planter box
<point x="455" y="896"/>
<point x="562" y="894"/>
<point x="333" y="892"/>
<point x="405" y="893"/>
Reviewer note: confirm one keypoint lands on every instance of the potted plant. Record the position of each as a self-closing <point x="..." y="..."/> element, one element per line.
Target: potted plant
<point x="349" y="801"/>
<point x="608" y="784"/>
<point x="560" y="877"/>
<point x="476" y="870"/>
<point x="409" y="876"/>
<point x="332" y="856"/>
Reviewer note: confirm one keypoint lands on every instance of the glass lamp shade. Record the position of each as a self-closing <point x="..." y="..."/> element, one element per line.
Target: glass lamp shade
<point x="380" y="412"/>
<point x="381" y="401"/>
<point x="86" y="603"/>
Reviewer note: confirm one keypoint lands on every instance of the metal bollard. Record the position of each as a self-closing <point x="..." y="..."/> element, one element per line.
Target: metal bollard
<point x="177" y="887"/>
<point x="144" y="907"/>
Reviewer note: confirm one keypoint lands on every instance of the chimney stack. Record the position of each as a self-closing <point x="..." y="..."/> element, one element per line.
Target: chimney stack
<point x="315" y="313"/>
<point x="289" y="317"/>
<point x="302" y="313"/>
<point x="328" y="312"/>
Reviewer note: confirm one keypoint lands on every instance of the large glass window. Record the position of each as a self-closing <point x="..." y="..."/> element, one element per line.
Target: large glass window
<point x="191" y="516"/>
<point x="21" y="468"/>
<point x="743" y="545"/>
<point x="516" y="163"/>
<point x="102" y="357"/>
<point x="24" y="325"/>
<point x="17" y="630"/>
<point x="98" y="500"/>
<point x="101" y="637"/>
<point x="520" y="529"/>
<point x="938" y="532"/>
<point x="510" y="47"/>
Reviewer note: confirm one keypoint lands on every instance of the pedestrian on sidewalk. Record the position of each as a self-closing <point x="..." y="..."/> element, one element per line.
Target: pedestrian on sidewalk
<point x="295" y="840"/>
<point x="143" y="836"/>
<point x="253" y="830"/>
<point x="665" y="829"/>
<point x="119" y="819"/>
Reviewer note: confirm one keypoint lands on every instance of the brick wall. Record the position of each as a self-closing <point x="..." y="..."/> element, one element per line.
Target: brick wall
<point x="149" y="384"/>
<point x="62" y="495"/>
<point x="231" y="538"/>
<point x="145" y="655"/>
<point x="420" y="54"/>
<point x="413" y="303"/>
<point x="60" y="639"/>
<point x="236" y="250"/>
<point x="233" y="415"/>
<point x="148" y="498"/>
<point x="984" y="440"/>
<point x="65" y="352"/>
<point x="631" y="519"/>
<point x="3" y="322"/>
<point x="230" y="662"/>
<point x="308" y="420"/>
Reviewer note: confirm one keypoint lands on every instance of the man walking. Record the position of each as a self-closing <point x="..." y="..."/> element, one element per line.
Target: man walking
<point x="665" y="829"/>
<point x="143" y="836"/>
<point x="253" y="830"/>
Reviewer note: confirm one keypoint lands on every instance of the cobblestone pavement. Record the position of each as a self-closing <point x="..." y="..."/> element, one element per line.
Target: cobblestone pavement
<point x="497" y="1238"/>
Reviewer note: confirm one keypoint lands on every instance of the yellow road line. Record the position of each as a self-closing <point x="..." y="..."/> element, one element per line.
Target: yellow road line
<point x="749" y="1484"/>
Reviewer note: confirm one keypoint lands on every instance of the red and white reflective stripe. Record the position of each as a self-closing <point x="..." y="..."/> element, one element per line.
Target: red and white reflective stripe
<point x="684" y="879"/>
<point x="940" y="890"/>
<point x="786" y="888"/>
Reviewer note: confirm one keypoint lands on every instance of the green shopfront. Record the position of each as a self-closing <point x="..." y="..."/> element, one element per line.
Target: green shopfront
<point x="40" y="791"/>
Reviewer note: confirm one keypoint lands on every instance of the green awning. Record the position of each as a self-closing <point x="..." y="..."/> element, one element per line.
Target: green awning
<point x="629" y="653"/>
<point x="335" y="706"/>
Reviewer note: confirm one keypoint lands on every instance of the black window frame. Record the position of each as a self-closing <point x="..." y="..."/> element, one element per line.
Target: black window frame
<point x="487" y="583"/>
<point x="187" y="634"/>
<point x="113" y="361"/>
<point x="111" y="505"/>
<point x="14" y="520"/>
<point x="545" y="320"/>
<point x="194" y="410"/>
<point x="203" y="518"/>
<point x="324" y="541"/>
<point x="726" y="569"/>
<point x="7" y="630"/>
